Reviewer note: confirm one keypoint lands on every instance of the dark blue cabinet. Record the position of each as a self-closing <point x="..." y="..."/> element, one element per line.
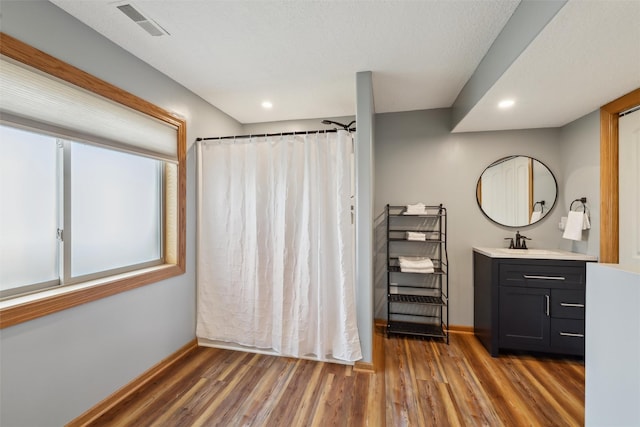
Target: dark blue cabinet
<point x="529" y="304"/>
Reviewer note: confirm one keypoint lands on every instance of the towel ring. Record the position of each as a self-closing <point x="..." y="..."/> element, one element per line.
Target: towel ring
<point x="541" y="203"/>
<point x="582" y="201"/>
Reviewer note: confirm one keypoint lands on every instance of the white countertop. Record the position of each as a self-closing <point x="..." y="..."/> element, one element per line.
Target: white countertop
<point x="534" y="254"/>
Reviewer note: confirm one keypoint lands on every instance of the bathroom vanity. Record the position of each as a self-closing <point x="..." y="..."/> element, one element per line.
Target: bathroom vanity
<point x="530" y="299"/>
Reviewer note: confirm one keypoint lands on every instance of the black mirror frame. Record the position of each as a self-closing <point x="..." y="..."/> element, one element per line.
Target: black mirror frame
<point x="552" y="206"/>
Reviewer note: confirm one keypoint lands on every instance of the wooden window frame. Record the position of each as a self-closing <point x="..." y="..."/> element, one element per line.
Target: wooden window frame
<point x="176" y="245"/>
<point x="609" y="173"/>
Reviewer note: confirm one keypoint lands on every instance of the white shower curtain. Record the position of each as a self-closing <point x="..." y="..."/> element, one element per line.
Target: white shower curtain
<point x="275" y="245"/>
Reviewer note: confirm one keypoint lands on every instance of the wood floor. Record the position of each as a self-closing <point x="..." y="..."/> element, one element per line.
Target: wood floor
<point x="418" y="383"/>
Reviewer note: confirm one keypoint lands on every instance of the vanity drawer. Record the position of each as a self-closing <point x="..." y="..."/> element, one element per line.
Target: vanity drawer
<point x="567" y="303"/>
<point x="567" y="336"/>
<point x="542" y="275"/>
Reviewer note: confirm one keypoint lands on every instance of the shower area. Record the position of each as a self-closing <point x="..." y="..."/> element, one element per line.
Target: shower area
<point x="275" y="244"/>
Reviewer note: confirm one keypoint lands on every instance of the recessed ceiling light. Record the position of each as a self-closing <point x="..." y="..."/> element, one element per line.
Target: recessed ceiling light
<point x="267" y="105"/>
<point x="506" y="103"/>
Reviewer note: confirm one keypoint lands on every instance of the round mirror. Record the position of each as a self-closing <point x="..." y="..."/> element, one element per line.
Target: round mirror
<point x="516" y="191"/>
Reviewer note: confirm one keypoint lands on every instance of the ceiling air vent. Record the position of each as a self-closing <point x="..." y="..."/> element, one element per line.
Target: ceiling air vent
<point x="147" y="24"/>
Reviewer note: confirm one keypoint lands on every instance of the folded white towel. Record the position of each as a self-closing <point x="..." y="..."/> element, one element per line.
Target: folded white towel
<point x="417" y="270"/>
<point x="412" y="235"/>
<point x="586" y="224"/>
<point x="415" y="262"/>
<point x="416" y="206"/>
<point x="417" y="209"/>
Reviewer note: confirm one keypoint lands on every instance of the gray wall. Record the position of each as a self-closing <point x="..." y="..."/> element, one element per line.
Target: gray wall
<point x="365" y="194"/>
<point x="419" y="160"/>
<point x="54" y="368"/>
<point x="580" y="166"/>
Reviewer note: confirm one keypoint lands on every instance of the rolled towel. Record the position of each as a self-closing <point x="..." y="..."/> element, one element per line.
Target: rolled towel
<point x="412" y="235"/>
<point x="415" y="262"/>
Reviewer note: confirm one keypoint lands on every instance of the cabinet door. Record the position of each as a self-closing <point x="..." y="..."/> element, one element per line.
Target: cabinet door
<point x="524" y="318"/>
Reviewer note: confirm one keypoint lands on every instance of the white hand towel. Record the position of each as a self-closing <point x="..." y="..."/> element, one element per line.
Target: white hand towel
<point x="573" y="229"/>
<point x="417" y="270"/>
<point x="419" y="206"/>
<point x="535" y="216"/>
<point x="417" y="209"/>
<point x="415" y="262"/>
<point x="586" y="225"/>
<point x="412" y="235"/>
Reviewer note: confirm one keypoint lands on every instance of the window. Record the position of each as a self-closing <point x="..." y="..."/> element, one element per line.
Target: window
<point x="111" y="221"/>
<point x="28" y="211"/>
<point x="92" y="187"/>
<point x="116" y="211"/>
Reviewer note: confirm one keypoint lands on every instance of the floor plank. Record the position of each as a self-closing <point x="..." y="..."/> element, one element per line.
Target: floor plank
<point x="417" y="383"/>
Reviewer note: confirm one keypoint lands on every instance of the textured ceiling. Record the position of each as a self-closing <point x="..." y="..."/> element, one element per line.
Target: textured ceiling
<point x="303" y="55"/>
<point x="588" y="55"/>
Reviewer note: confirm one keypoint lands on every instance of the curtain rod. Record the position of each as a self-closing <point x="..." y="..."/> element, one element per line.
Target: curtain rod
<point x="302" y="132"/>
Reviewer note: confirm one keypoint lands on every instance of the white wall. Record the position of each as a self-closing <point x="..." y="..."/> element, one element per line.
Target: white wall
<point x="612" y="353"/>
<point x="54" y="368"/>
